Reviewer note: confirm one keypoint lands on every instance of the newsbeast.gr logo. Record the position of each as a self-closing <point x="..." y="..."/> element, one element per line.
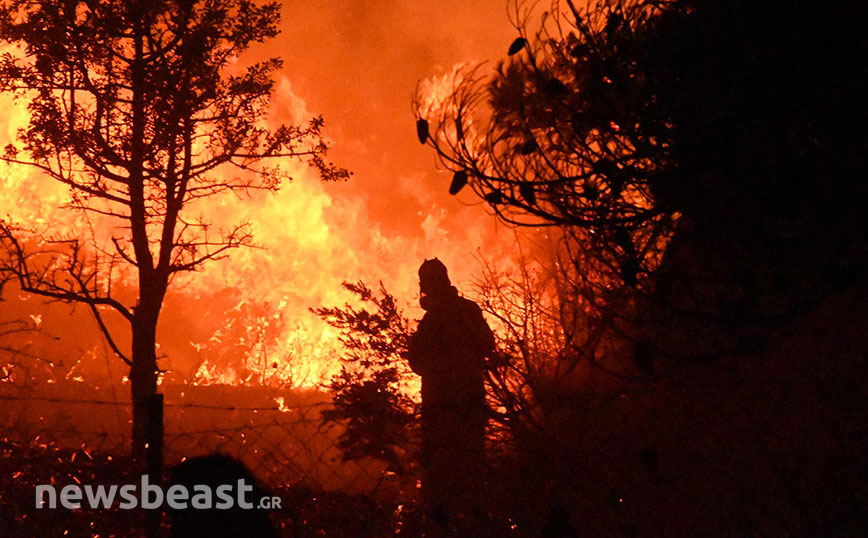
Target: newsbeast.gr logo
<point x="150" y="496"/>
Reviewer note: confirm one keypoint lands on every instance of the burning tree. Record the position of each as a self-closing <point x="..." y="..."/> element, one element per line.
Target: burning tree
<point x="141" y="109"/>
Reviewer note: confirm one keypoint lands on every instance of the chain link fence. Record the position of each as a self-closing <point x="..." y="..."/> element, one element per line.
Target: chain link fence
<point x="283" y="443"/>
<point x="78" y="435"/>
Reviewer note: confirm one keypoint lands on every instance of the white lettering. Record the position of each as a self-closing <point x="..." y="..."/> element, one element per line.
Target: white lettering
<point x="40" y="497"/>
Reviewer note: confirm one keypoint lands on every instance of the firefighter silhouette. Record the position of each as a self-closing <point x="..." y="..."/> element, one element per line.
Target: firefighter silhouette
<point x="448" y="350"/>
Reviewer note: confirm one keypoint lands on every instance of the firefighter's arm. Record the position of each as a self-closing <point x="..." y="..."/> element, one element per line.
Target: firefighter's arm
<point x="482" y="333"/>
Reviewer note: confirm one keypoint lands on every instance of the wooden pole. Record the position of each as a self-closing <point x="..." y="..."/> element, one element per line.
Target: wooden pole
<point x="154" y="460"/>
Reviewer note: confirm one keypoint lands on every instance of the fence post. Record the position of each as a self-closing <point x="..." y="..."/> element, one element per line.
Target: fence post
<point x="154" y="460"/>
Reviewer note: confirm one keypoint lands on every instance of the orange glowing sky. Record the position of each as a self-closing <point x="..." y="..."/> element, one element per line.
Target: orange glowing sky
<point x="358" y="64"/>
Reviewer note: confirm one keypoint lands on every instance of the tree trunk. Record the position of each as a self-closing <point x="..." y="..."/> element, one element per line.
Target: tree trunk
<point x="143" y="376"/>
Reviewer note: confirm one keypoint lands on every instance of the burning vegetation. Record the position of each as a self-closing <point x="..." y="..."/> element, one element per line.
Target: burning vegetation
<point x="673" y="265"/>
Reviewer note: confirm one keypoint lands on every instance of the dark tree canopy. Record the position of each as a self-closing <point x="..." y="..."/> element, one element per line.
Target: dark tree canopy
<point x="738" y="124"/>
<point x="604" y="114"/>
<point x="564" y="133"/>
<point x="553" y="137"/>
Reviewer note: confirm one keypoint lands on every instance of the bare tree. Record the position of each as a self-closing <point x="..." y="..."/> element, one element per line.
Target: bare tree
<point x="134" y="108"/>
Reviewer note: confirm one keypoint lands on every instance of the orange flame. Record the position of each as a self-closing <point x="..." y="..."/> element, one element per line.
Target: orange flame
<point x="311" y="237"/>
